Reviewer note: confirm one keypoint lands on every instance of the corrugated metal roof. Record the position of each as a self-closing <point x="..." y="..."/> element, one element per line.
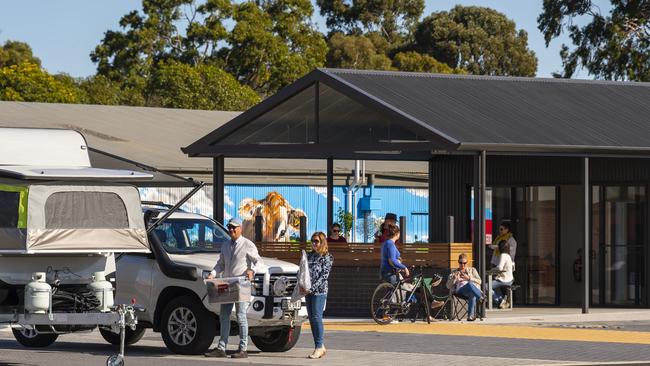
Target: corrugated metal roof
<point x="497" y="113"/>
<point x="147" y="135"/>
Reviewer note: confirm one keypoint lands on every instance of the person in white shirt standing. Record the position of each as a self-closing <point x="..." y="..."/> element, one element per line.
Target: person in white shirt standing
<point x="504" y="277"/>
<point x="238" y="258"/>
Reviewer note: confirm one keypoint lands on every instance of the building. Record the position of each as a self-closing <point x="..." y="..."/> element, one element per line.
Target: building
<point x="565" y="160"/>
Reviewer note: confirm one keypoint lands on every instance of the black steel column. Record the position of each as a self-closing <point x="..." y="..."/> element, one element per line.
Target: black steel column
<point x="586" y="253"/>
<point x="218" y="188"/>
<point x="330" y="194"/>
<point x="431" y="215"/>
<point x="476" y="252"/>
<point x="482" y="187"/>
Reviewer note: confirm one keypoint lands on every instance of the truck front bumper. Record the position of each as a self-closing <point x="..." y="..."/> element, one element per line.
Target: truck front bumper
<point x="271" y="311"/>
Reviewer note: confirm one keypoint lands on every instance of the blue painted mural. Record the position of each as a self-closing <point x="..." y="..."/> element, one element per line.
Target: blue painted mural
<point x="282" y="206"/>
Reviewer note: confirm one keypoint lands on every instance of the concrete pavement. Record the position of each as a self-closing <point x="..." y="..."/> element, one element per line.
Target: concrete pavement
<point x="528" y="341"/>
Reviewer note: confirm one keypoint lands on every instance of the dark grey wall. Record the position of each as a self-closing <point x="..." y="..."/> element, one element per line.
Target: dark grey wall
<point x="571" y="239"/>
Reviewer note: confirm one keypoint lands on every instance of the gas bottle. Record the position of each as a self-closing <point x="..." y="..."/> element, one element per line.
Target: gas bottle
<point x="37" y="294"/>
<point x="103" y="290"/>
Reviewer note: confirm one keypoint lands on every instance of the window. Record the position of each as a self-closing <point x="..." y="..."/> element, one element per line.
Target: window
<point x="191" y="235"/>
<point x="85" y="210"/>
<point x="9" y="209"/>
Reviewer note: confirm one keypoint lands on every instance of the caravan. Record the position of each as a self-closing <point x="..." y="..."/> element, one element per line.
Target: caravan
<point x="63" y="223"/>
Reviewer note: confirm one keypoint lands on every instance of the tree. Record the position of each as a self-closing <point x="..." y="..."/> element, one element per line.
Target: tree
<point x="415" y="62"/>
<point x="613" y="47"/>
<point x="355" y="52"/>
<point x="178" y="85"/>
<point x="27" y="82"/>
<point x="15" y="53"/>
<point x="393" y="19"/>
<point x="149" y="38"/>
<point x="272" y="44"/>
<point x="98" y="89"/>
<point x="476" y="39"/>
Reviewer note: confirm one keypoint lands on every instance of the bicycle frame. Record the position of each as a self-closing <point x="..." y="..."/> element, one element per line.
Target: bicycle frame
<point x="403" y="305"/>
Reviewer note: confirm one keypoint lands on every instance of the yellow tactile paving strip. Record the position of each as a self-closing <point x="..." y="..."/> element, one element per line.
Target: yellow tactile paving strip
<point x="499" y="331"/>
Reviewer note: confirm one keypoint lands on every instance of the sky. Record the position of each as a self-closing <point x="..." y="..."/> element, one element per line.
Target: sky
<point x="63" y="32"/>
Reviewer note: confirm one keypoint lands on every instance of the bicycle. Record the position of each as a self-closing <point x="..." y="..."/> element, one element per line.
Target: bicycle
<point x="391" y="302"/>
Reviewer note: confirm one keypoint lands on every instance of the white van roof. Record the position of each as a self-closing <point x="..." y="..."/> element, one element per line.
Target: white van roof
<point x="47" y="154"/>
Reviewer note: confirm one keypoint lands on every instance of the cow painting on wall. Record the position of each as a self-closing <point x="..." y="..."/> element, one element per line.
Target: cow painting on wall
<point x="279" y="218"/>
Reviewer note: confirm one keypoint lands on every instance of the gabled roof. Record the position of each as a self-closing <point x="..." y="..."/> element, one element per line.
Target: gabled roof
<point x="455" y="113"/>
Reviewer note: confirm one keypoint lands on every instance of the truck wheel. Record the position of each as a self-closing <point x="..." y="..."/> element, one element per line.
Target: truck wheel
<point x="187" y="327"/>
<point x="130" y="336"/>
<point x="280" y="340"/>
<point x="31" y="338"/>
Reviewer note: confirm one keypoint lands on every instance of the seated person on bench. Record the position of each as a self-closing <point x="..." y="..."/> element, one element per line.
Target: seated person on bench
<point x="466" y="282"/>
<point x="504" y="276"/>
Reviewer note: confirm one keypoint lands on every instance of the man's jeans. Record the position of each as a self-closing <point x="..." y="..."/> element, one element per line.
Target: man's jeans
<point x="315" y="308"/>
<point x="224" y="320"/>
<point x="497" y="296"/>
<point x="472" y="293"/>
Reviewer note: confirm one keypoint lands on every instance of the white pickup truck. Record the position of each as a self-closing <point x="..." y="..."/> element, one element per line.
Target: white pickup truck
<point x="169" y="284"/>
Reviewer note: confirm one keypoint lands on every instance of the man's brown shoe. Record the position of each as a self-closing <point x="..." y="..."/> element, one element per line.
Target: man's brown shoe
<point x="240" y="354"/>
<point x="216" y="353"/>
<point x="436" y="304"/>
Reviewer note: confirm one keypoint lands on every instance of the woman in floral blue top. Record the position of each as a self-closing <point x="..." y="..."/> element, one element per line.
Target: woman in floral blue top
<point x="320" y="264"/>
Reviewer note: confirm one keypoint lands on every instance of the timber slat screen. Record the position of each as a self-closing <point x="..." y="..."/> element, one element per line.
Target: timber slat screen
<point x="441" y="255"/>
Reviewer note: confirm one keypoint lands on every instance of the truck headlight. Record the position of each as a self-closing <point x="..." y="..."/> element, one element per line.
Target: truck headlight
<point x="280" y="286"/>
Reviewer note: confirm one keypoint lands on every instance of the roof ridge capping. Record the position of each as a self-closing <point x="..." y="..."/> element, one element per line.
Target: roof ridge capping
<point x="483" y="77"/>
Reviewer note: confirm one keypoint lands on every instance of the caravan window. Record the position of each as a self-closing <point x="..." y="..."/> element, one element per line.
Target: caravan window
<point x="91" y="210"/>
<point x="9" y="209"/>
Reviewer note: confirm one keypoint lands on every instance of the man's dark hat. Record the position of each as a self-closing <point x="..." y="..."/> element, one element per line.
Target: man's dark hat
<point x="390" y="216"/>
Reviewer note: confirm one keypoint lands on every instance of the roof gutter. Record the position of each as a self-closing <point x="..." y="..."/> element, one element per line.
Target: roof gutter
<point x="560" y="150"/>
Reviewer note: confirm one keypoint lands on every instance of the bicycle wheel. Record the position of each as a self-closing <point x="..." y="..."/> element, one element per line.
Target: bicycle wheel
<point x="385" y="304"/>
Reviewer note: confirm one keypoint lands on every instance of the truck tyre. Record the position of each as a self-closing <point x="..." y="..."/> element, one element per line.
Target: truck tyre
<point x="130" y="336"/>
<point x="31" y="338"/>
<point x="280" y="340"/>
<point x="187" y="327"/>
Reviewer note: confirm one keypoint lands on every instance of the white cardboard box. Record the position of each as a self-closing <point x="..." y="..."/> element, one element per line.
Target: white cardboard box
<point x="228" y="290"/>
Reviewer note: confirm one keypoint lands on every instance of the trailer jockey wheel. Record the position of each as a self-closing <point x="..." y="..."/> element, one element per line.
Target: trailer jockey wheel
<point x="115" y="360"/>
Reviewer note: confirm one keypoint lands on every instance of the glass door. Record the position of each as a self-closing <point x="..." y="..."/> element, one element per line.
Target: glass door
<point x="533" y="213"/>
<point x="618" y="274"/>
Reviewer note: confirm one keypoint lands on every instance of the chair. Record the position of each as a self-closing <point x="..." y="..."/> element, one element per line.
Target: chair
<point x="459" y="306"/>
<point x="508" y="290"/>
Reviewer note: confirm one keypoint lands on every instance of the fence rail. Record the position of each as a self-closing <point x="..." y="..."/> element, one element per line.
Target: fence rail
<point x="441" y="255"/>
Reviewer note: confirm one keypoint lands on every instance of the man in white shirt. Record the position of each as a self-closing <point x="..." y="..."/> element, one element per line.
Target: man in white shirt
<point x="237" y="258"/>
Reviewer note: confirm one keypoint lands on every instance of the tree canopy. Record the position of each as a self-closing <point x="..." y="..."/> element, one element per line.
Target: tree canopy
<point x="15" y="53"/>
<point x="179" y="85"/>
<point x="271" y="42"/>
<point x="225" y="54"/>
<point x="27" y="82"/>
<point x="614" y="46"/>
<point x="392" y="19"/>
<point x="479" y="40"/>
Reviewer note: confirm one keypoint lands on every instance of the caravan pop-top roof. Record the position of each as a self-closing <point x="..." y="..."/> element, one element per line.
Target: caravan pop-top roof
<point x="50" y="154"/>
<point x="44" y="208"/>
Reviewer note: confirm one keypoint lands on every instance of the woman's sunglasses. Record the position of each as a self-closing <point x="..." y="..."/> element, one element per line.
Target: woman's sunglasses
<point x="315" y="241"/>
